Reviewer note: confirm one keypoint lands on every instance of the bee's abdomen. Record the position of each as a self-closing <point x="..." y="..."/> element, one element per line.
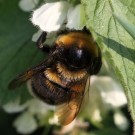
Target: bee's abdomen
<point x="48" y="91"/>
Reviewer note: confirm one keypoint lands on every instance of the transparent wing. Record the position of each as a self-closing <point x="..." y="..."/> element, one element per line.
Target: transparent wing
<point x="67" y="112"/>
<point x="20" y="79"/>
<point x="29" y="73"/>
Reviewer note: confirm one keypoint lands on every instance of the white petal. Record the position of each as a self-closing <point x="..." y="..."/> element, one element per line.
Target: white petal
<point x="66" y="129"/>
<point x="36" y="36"/>
<point x="50" y="16"/>
<point x="53" y="120"/>
<point x="36" y="106"/>
<point x="14" y="106"/>
<point x="111" y="92"/>
<point x="25" y="123"/>
<point x="121" y="121"/>
<point x="76" y="17"/>
<point x="97" y="115"/>
<point x="28" y="5"/>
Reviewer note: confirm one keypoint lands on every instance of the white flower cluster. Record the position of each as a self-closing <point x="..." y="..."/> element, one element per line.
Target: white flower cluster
<point x="51" y="16"/>
<point x="26" y="122"/>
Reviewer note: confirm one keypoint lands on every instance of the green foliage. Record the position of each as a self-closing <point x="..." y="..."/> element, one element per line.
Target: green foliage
<point x="74" y="2"/>
<point x="130" y="28"/>
<point x="118" y="44"/>
<point x="17" y="52"/>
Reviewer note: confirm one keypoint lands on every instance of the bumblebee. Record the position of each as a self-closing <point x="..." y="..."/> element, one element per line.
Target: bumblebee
<point x="61" y="79"/>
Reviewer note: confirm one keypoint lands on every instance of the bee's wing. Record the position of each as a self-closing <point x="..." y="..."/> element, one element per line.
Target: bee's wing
<point x="20" y="79"/>
<point x="67" y="112"/>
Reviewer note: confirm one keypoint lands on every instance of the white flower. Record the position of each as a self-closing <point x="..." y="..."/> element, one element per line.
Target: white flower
<point x="36" y="36"/>
<point x="121" y="121"/>
<point x="76" y="17"/>
<point x="25" y="123"/>
<point x="105" y="95"/>
<point x="111" y="92"/>
<point x="14" y="106"/>
<point x="28" y="5"/>
<point x="36" y="106"/>
<point x="50" y="16"/>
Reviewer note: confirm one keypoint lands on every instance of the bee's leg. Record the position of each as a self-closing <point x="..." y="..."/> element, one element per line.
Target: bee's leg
<point x="40" y="43"/>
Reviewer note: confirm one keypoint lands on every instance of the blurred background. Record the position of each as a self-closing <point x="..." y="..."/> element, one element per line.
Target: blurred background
<point x="104" y="111"/>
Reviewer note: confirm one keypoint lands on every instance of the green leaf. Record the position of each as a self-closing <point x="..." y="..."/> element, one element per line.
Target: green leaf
<point x="118" y="45"/>
<point x="126" y="24"/>
<point x="17" y="51"/>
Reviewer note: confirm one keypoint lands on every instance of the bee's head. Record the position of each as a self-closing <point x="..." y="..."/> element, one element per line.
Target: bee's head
<point x="77" y="50"/>
<point x="76" y="58"/>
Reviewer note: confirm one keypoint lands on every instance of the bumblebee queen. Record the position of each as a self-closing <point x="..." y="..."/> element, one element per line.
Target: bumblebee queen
<point x="61" y="78"/>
